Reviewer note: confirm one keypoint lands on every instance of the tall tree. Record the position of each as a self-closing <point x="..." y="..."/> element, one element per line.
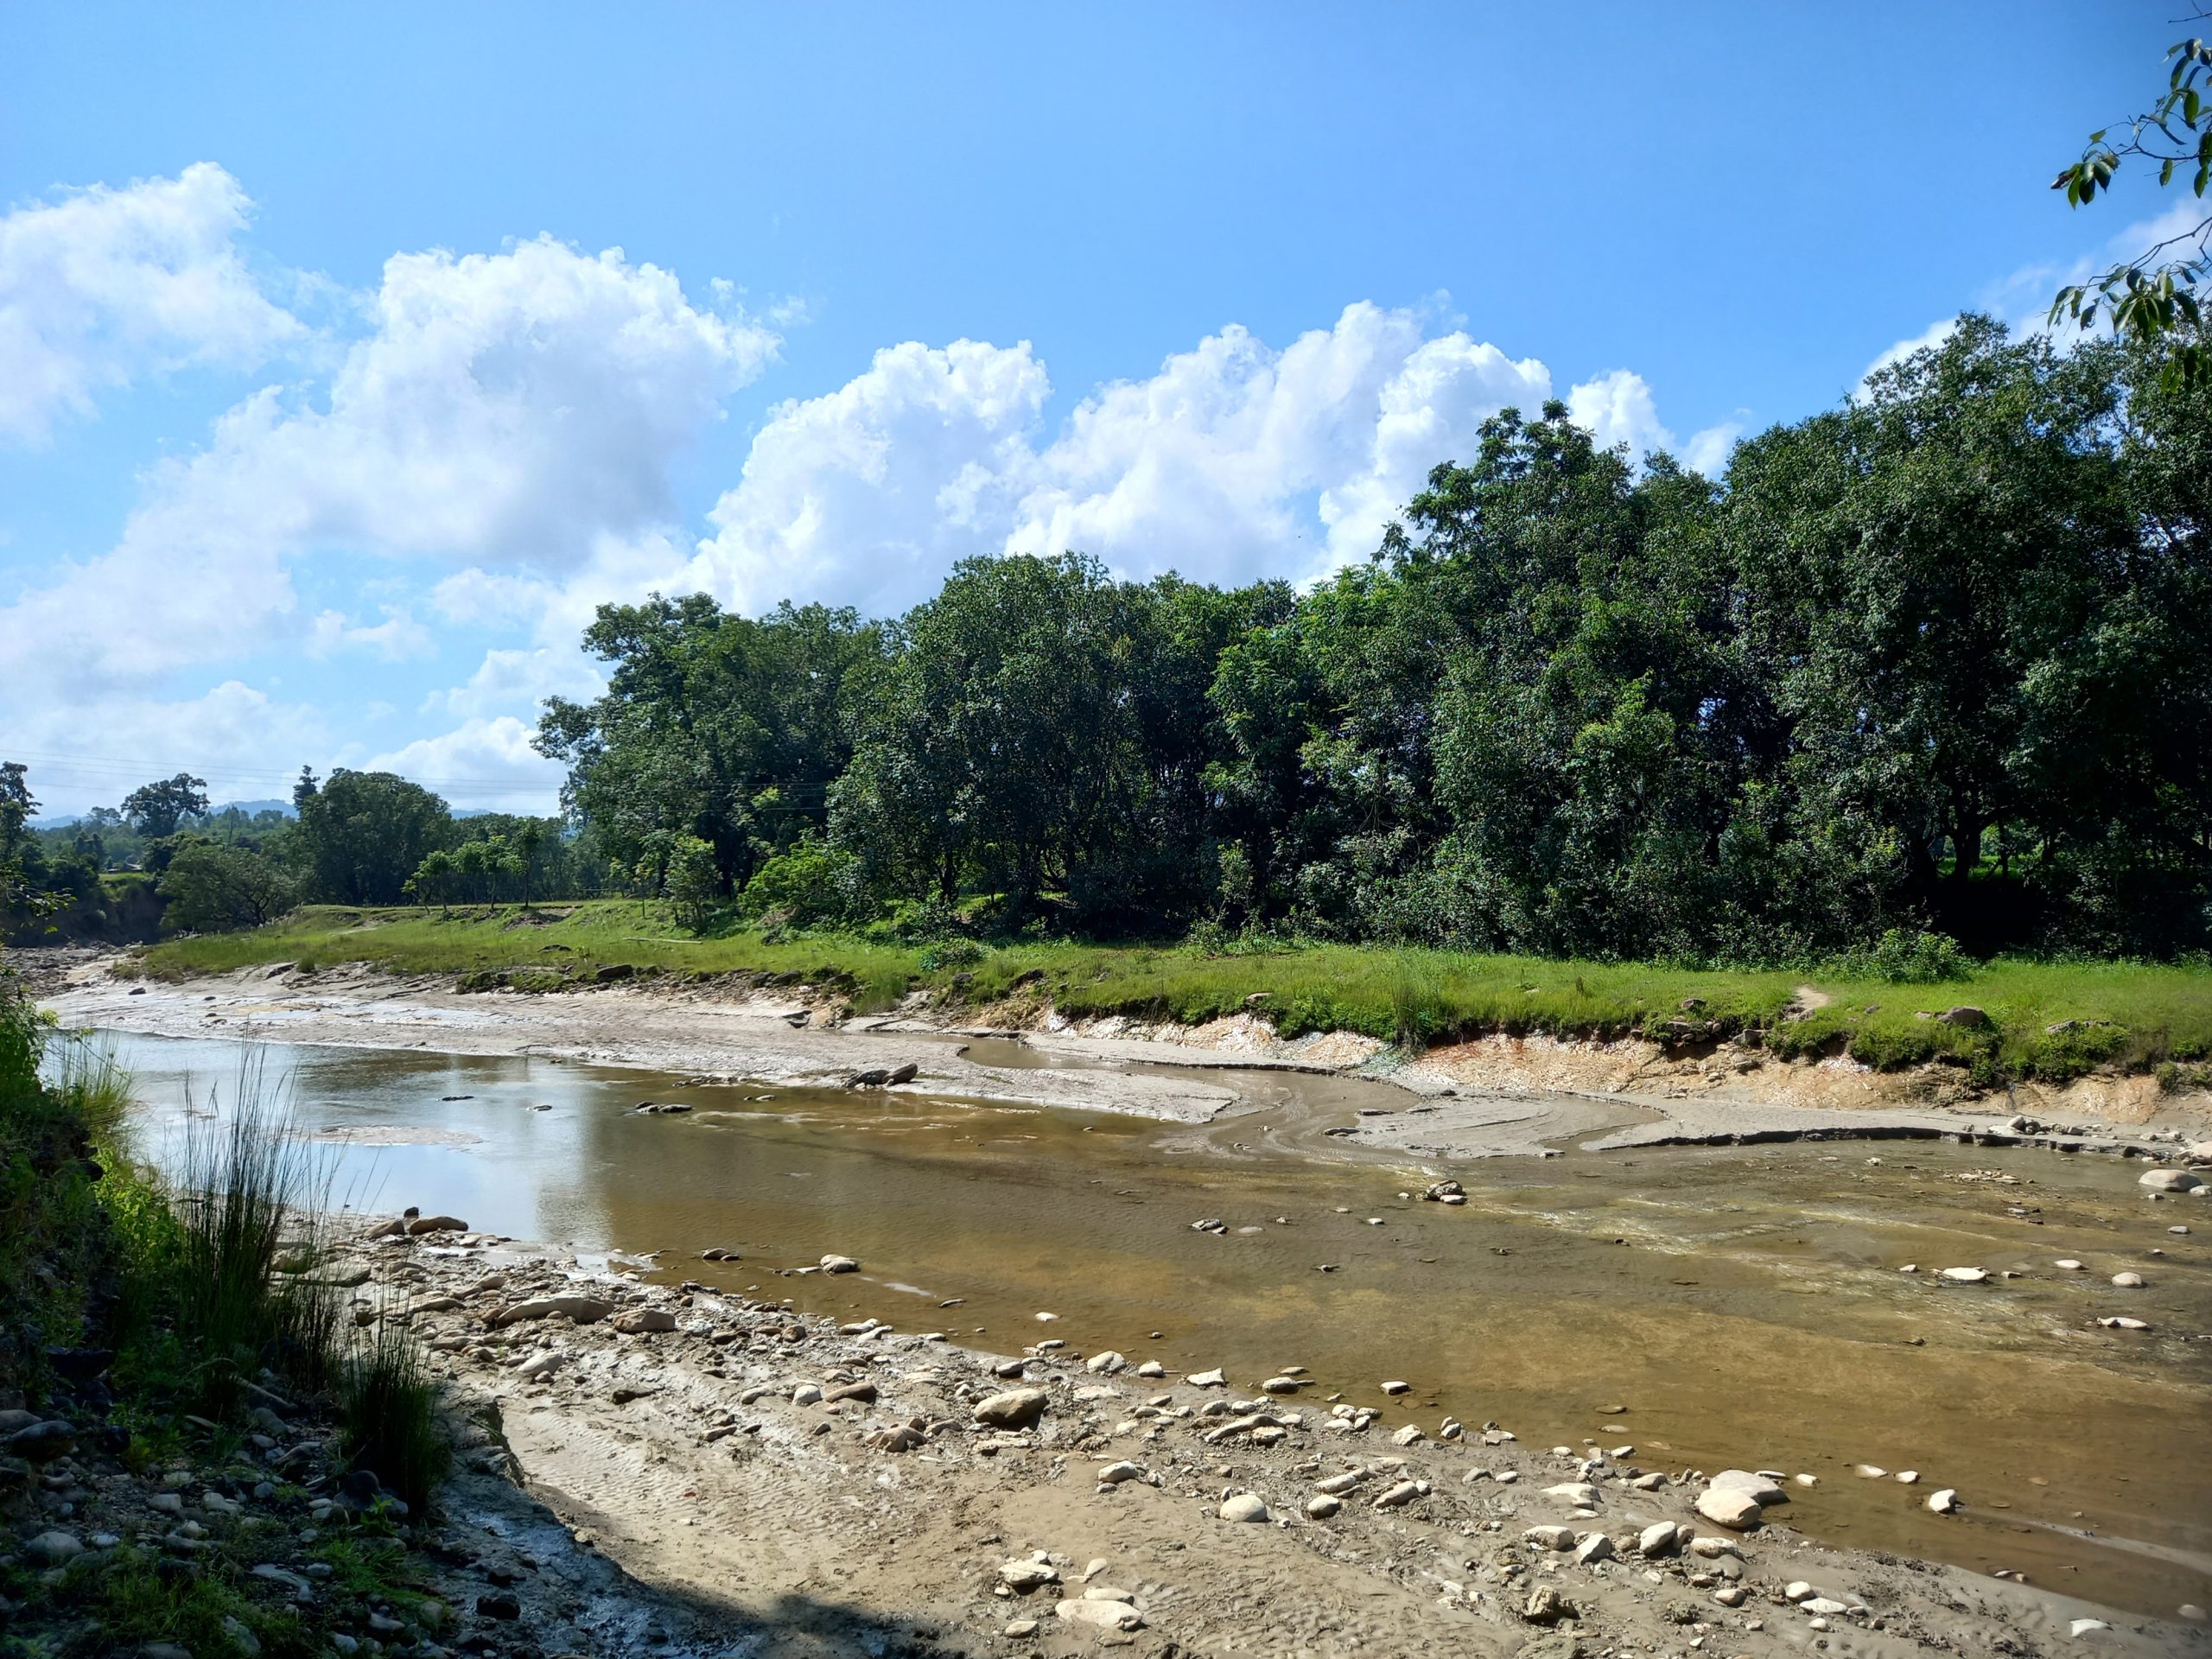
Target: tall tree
<point x="157" y="809"/>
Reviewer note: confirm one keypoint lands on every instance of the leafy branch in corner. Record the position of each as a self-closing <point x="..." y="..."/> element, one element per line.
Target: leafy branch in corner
<point x="2154" y="296"/>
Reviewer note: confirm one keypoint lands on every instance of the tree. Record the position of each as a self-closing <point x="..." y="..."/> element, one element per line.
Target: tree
<point x="433" y="878"/>
<point x="694" y="881"/>
<point x="16" y="805"/>
<point x="215" y="889"/>
<point x="364" y="833"/>
<point x="2154" y="296"/>
<point x="156" y="809"/>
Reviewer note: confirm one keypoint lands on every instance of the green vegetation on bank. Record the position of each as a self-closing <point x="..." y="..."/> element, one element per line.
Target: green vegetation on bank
<point x="150" y="1326"/>
<point x="2052" y="1020"/>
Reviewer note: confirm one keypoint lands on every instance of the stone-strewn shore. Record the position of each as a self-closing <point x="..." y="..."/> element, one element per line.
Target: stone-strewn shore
<point x="776" y="1484"/>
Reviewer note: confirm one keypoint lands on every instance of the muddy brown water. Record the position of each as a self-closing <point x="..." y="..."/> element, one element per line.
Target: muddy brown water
<point x="1745" y="1304"/>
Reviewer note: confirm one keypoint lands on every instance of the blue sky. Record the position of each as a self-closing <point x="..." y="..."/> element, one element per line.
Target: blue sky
<point x="329" y="410"/>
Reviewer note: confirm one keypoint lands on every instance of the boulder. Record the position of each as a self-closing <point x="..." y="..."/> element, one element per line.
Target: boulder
<point x="2170" y="1181"/>
<point x="640" y="1320"/>
<point x="54" y="1548"/>
<point x="1101" y="1615"/>
<point x="43" y="1442"/>
<point x="1015" y="1409"/>
<point x="1728" y="1507"/>
<point x="1757" y="1488"/>
<point x="1244" y="1506"/>
<point x="840" y="1264"/>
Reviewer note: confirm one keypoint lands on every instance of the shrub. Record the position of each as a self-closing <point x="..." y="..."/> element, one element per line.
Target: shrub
<point x="388" y="1405"/>
<point x="1911" y="957"/>
<point x="951" y="953"/>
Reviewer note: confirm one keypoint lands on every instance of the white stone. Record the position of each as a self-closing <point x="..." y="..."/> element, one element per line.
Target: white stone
<point x="1244" y="1506"/>
<point x="2127" y="1280"/>
<point x="1661" y="1538"/>
<point x="1966" y="1276"/>
<point x="1105" y="1364"/>
<point x="2170" y="1181"/>
<point x="1729" y="1508"/>
<point x="1945" y="1502"/>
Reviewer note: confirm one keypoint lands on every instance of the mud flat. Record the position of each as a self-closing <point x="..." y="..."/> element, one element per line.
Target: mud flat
<point x="777" y="1483"/>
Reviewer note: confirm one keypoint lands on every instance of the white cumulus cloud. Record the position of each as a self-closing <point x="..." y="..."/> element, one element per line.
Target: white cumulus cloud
<point x="100" y="286"/>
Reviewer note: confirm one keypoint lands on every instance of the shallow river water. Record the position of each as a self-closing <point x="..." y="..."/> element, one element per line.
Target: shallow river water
<point x="1746" y="1304"/>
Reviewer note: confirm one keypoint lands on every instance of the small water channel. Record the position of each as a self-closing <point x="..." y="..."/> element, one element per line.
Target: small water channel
<point x="1747" y="1305"/>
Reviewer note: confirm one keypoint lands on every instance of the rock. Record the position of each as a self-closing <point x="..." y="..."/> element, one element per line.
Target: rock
<point x="1966" y="1276"/>
<point x="422" y="1224"/>
<point x="1732" y="1595"/>
<point x="43" y="1442"/>
<point x="1825" y="1606"/>
<point x="1972" y="1018"/>
<point x="1798" y="1590"/>
<point x="1714" y="1549"/>
<point x="1660" y="1538"/>
<point x="2127" y="1280"/>
<point x="1102" y="1615"/>
<point x="1015" y="1409"/>
<point x="1550" y="1537"/>
<point x="243" y="1639"/>
<point x="1337" y="1485"/>
<point x="1323" y="1506"/>
<point x="1023" y="1576"/>
<point x="54" y="1548"/>
<point x="1115" y="1473"/>
<point x="1868" y="1471"/>
<point x="2067" y="1264"/>
<point x="1105" y="1364"/>
<point x="1244" y="1506"/>
<point x="1397" y="1388"/>
<point x="1214" y="1379"/>
<point x="1594" y="1548"/>
<point x="584" y="1310"/>
<point x="1151" y="1368"/>
<point x="1397" y="1497"/>
<point x="1281" y="1385"/>
<point x="1908" y="1477"/>
<point x="1577" y="1492"/>
<point x="1726" y="1507"/>
<point x="1022" y="1627"/>
<point x="1945" y="1502"/>
<point x="1757" y="1488"/>
<point x="840" y="1264"/>
<point x="500" y="1605"/>
<point x="906" y="1073"/>
<point x="2121" y="1322"/>
<point x="806" y="1393"/>
<point x="1547" y="1606"/>
<point x="2170" y="1181"/>
<point x="2081" y="1627"/>
<point x="640" y="1320"/>
<point x="1408" y="1435"/>
<point x="864" y="1392"/>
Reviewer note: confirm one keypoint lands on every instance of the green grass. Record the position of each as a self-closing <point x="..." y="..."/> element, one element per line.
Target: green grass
<point x="2119" y="1016"/>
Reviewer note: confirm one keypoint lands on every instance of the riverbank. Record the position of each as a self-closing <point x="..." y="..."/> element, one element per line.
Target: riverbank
<point x="820" y="1486"/>
<point x="2005" y="1022"/>
<point x="1502" y="1095"/>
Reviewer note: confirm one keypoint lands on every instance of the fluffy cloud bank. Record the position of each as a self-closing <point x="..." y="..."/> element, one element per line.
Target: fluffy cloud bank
<point x="507" y="422"/>
<point x="103" y="286"/>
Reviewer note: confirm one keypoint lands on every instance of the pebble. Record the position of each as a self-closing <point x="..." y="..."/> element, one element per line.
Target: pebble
<point x="1244" y="1506"/>
<point x="1022" y="1627"/>
<point x="1322" y="1507"/>
<point x="1732" y="1595"/>
<point x="2127" y="1280"/>
<point x="1908" y="1477"/>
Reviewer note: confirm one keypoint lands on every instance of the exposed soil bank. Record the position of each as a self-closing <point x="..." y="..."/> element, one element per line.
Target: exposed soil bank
<point x="1534" y="1092"/>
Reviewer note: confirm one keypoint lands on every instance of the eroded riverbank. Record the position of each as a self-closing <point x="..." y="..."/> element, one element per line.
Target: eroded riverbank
<point x="1746" y="1304"/>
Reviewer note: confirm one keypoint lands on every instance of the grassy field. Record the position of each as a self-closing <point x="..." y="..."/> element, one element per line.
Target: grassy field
<point x="2053" y="1021"/>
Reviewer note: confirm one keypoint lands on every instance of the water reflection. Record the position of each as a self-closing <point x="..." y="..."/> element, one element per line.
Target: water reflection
<point x="1745" y="1304"/>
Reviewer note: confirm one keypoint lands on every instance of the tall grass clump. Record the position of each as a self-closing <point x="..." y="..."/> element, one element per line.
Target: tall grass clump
<point x="247" y="1196"/>
<point x="388" y="1408"/>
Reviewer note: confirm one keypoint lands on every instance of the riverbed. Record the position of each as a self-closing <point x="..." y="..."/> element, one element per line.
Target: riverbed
<point x="1747" y="1305"/>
